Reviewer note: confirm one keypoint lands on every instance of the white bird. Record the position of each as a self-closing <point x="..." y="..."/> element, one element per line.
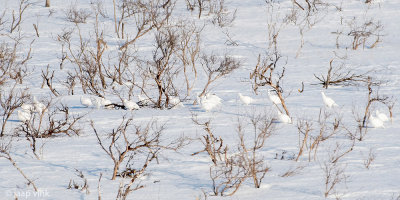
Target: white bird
<point x="86" y="101"/>
<point x="97" y="102"/>
<point x="213" y="98"/>
<point x="210" y="101"/>
<point x="381" y="116"/>
<point x="245" y="99"/>
<point x="39" y="106"/>
<point x="376" y="122"/>
<point x="329" y="102"/>
<point x="274" y="97"/>
<point x="284" y="118"/>
<point x="130" y="105"/>
<point x="24" y="115"/>
<point x="105" y="102"/>
<point x="27" y="107"/>
<point x="144" y="101"/>
<point x="176" y="102"/>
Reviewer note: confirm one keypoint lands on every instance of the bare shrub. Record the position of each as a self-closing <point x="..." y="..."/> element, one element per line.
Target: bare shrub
<point x="12" y="65"/>
<point x="370" y="159"/>
<point x="292" y="171"/>
<point x="162" y="68"/>
<point x="362" y="117"/>
<point x="362" y="33"/>
<point x="216" y="67"/>
<point x="52" y="121"/>
<point x="76" y="185"/>
<point x="371" y="99"/>
<point x="146" y="15"/>
<point x="9" y="102"/>
<point x="264" y="75"/>
<point x="188" y="51"/>
<point x="228" y="176"/>
<point x="334" y="174"/>
<point x="304" y="127"/>
<point x="5" y="152"/>
<point x="311" y="136"/>
<point x="334" y="171"/>
<point x="340" y="75"/>
<point x="89" y="61"/>
<point x="213" y="145"/>
<point x="48" y="80"/>
<point x="72" y="14"/>
<point x="305" y="14"/>
<point x="17" y="18"/>
<point x="227" y="172"/>
<point x="251" y="161"/>
<point x="222" y="16"/>
<point x="136" y="150"/>
<point x="231" y="169"/>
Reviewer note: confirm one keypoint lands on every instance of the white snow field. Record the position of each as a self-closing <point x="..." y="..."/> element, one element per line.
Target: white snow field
<point x="339" y="163"/>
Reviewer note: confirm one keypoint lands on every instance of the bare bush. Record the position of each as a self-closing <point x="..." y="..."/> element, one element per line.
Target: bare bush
<point x="251" y="161"/>
<point x="75" y="185"/>
<point x="228" y="176"/>
<point x="222" y="16"/>
<point x="216" y="67"/>
<point x="136" y="150"/>
<point x="227" y="173"/>
<point x="213" y="145"/>
<point x="76" y="16"/>
<point x="188" y="51"/>
<point x="5" y="152"/>
<point x="370" y="159"/>
<point x="146" y="15"/>
<point x="89" y="61"/>
<point x="12" y="65"/>
<point x="264" y="75"/>
<point x="52" y="121"/>
<point x="334" y="174"/>
<point x="231" y="169"/>
<point x="305" y="14"/>
<point x="325" y="129"/>
<point x="340" y="75"/>
<point x="9" y="102"/>
<point x="48" y="80"/>
<point x="162" y="68"/>
<point x="362" y="33"/>
<point x="17" y="18"/>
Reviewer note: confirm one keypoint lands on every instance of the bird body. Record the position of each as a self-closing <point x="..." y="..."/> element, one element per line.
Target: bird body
<point x="210" y="101"/>
<point x="175" y="102"/>
<point x="39" y="106"/>
<point x="130" y="105"/>
<point x="329" y="102"/>
<point x="86" y="101"/>
<point x="144" y="101"/>
<point x="284" y="118"/>
<point x="105" y="102"/>
<point x="27" y="107"/>
<point x="274" y="98"/>
<point x="97" y="102"/>
<point x="381" y="116"/>
<point x="24" y="115"/>
<point x="245" y="99"/>
<point x="376" y="122"/>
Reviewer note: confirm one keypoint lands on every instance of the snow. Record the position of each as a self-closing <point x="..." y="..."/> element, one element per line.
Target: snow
<point x="179" y="175"/>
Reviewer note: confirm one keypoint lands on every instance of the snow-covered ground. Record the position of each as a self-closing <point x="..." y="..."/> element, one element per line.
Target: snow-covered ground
<point x="178" y="174"/>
